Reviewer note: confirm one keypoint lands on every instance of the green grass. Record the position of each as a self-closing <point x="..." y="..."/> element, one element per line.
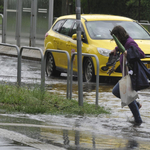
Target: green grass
<point x="34" y="101"/>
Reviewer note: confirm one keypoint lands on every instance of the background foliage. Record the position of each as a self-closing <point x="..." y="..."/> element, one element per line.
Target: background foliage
<point x="135" y="9"/>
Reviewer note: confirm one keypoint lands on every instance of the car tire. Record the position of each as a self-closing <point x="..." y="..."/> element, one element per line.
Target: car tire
<point x="50" y="66"/>
<point x="88" y="70"/>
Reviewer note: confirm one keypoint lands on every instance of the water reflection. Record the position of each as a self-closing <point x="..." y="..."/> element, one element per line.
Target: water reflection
<point x="66" y="138"/>
<point x="77" y="140"/>
<point x="89" y="87"/>
<point x="132" y="144"/>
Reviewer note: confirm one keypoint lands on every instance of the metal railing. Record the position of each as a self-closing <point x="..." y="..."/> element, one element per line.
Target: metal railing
<point x="18" y="63"/>
<point x="42" y="64"/>
<point x="97" y="76"/>
<point x="3" y="41"/>
<point x="68" y="69"/>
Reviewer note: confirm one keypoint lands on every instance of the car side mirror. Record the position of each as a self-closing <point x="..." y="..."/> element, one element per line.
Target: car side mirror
<point x="74" y="37"/>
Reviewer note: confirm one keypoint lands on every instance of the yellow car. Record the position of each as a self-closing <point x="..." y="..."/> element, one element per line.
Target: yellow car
<point x="96" y="40"/>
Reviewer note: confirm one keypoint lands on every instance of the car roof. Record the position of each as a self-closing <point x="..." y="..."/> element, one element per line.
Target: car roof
<point x="96" y="17"/>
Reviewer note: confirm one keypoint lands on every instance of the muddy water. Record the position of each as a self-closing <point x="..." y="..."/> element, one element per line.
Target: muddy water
<point x="112" y="131"/>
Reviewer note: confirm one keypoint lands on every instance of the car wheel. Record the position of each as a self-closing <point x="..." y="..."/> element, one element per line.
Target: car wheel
<point x="88" y="70"/>
<point x="50" y="66"/>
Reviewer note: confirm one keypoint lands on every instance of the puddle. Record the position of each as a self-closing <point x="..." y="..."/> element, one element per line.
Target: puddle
<point x="102" y="132"/>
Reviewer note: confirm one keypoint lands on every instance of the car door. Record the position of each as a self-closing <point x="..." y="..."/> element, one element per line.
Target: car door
<point x="64" y="43"/>
<point x="73" y="47"/>
<point x="56" y="29"/>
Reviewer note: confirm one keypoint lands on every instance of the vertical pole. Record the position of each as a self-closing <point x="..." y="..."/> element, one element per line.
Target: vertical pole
<point x="18" y="22"/>
<point x="33" y="22"/>
<point x="50" y="16"/>
<point x="79" y="53"/>
<point x="4" y="21"/>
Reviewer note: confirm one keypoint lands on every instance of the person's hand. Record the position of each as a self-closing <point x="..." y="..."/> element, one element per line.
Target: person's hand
<point x="113" y="52"/>
<point x="125" y="53"/>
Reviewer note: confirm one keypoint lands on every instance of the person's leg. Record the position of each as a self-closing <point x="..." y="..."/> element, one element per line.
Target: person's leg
<point x="139" y="105"/>
<point x="115" y="90"/>
<point x="135" y="111"/>
<point x="133" y="106"/>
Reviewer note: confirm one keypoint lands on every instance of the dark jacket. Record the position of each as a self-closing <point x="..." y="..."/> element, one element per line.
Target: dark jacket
<point x="140" y="71"/>
<point x="130" y="42"/>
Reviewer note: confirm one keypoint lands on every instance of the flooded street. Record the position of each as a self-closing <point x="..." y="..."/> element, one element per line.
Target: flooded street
<point x="103" y="132"/>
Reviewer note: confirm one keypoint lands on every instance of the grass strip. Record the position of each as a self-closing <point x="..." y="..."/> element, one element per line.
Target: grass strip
<point x="34" y="101"/>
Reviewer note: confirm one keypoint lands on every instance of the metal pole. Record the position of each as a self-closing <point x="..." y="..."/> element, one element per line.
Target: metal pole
<point x="50" y="16"/>
<point x="18" y="22"/>
<point x="18" y="63"/>
<point x="68" y="69"/>
<point x="79" y="53"/>
<point x="97" y="76"/>
<point x="33" y="22"/>
<point x="42" y="64"/>
<point x="2" y="28"/>
<point x="4" y="21"/>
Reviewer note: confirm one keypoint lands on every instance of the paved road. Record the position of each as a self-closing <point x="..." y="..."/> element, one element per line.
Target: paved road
<point x="31" y="54"/>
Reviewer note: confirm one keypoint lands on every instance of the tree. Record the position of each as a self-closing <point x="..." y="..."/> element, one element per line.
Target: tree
<point x="140" y="9"/>
<point x="135" y="9"/>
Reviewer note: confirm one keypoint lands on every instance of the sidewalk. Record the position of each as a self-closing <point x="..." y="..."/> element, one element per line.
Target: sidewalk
<point x="26" y="53"/>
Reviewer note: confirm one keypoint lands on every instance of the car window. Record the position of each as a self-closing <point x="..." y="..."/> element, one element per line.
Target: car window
<point x="101" y="29"/>
<point x="66" y="27"/>
<point x="74" y="29"/>
<point x="58" y="24"/>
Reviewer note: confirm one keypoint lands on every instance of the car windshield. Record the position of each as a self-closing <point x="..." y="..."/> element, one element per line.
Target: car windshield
<point x="101" y="29"/>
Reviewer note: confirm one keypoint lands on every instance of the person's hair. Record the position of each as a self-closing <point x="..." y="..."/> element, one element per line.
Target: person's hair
<point x="121" y="33"/>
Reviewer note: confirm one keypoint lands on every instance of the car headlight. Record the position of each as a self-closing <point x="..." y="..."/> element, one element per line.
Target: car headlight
<point x="103" y="51"/>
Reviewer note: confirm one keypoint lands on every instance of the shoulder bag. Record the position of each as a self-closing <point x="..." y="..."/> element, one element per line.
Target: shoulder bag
<point x="127" y="93"/>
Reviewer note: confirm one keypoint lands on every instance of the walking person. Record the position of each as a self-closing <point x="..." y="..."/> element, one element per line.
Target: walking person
<point x="127" y="42"/>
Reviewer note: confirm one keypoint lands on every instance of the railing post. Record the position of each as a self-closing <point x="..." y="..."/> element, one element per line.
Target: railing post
<point x="18" y="63"/>
<point x="5" y="20"/>
<point x="97" y="76"/>
<point x="2" y="28"/>
<point x="42" y="64"/>
<point x="68" y="69"/>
